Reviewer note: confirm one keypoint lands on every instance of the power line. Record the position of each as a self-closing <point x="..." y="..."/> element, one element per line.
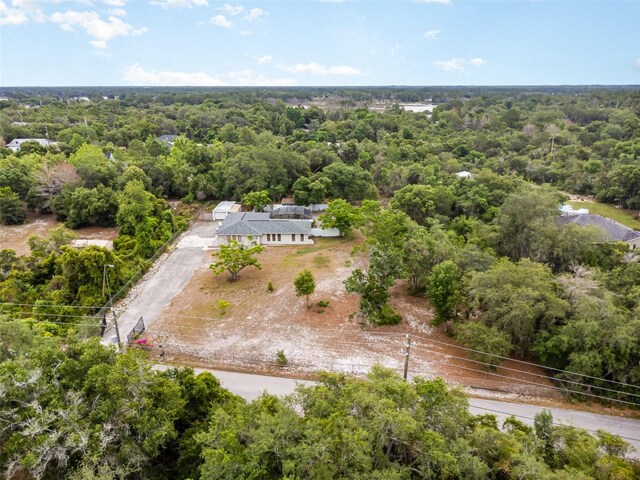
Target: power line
<point x="555" y="423"/>
<point x="538" y="375"/>
<point x="43" y="305"/>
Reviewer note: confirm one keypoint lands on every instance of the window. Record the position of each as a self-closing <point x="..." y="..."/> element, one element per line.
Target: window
<point x="279" y="238"/>
<point x="293" y="237"/>
<point x="268" y="237"/>
<point x="302" y="237"/>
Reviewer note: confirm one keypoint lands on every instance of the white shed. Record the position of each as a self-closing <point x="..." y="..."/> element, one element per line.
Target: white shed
<point x="223" y="209"/>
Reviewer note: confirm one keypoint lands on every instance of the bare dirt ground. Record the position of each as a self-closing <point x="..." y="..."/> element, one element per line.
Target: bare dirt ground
<point x="15" y="237"/>
<point x="247" y="335"/>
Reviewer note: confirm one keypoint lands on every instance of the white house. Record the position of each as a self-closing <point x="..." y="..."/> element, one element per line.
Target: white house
<point x="223" y="209"/>
<point x="16" y="143"/>
<point x="464" y="174"/>
<point x="259" y="227"/>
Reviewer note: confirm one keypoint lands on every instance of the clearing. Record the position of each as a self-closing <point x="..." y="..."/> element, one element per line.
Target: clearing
<point x="629" y="218"/>
<point x="247" y="334"/>
<point x="15" y="237"/>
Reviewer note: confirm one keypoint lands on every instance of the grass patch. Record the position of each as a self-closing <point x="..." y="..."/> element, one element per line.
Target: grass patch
<point x="321" y="261"/>
<point x="625" y="217"/>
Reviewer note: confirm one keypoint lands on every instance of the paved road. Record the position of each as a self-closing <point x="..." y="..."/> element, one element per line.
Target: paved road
<point x="165" y="279"/>
<point x="251" y="386"/>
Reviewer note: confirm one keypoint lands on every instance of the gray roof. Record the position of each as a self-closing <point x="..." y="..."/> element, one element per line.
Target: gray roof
<point x="167" y="138"/>
<point x="258" y="223"/>
<point x="19" y="141"/>
<point x="614" y="230"/>
<point x="285" y="211"/>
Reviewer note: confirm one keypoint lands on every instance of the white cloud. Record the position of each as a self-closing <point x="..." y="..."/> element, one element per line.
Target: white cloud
<point x="12" y="16"/>
<point x="636" y="64"/>
<point x="441" y="2"/>
<point x="455" y="65"/>
<point x="431" y="34"/>
<point x="316" y="69"/>
<point x="265" y="59"/>
<point x="221" y="21"/>
<point x="245" y="33"/>
<point x="254" y="14"/>
<point x="247" y="78"/>
<point x="114" y="3"/>
<point x="99" y="30"/>
<point x="477" y="61"/>
<point x="232" y="9"/>
<point x="179" y="3"/>
<point x="139" y="76"/>
<point x="118" y="12"/>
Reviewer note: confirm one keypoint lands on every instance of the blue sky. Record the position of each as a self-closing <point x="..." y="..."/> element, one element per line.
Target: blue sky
<point x="349" y="42"/>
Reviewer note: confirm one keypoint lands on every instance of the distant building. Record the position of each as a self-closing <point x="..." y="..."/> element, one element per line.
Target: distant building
<point x="168" y="139"/>
<point x="223" y="209"/>
<point x="464" y="174"/>
<point x="16" y="143"/>
<point x="291" y="212"/>
<point x="615" y="231"/>
<point x="568" y="210"/>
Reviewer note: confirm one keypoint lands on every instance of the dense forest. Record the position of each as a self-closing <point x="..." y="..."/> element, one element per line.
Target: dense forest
<point x="485" y="249"/>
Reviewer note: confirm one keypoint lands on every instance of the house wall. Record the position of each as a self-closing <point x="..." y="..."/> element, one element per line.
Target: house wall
<point x="635" y="244"/>
<point x="272" y="239"/>
<point x="285" y="239"/>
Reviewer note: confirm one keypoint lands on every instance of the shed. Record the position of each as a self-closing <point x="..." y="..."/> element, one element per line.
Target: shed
<point x="223" y="209"/>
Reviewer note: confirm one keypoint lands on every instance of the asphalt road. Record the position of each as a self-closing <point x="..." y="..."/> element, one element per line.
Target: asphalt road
<point x="251" y="386"/>
<point x="165" y="279"/>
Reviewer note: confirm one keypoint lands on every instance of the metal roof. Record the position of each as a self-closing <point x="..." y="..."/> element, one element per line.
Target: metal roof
<point x="614" y="230"/>
<point x="258" y="223"/>
<point x="224" y="207"/>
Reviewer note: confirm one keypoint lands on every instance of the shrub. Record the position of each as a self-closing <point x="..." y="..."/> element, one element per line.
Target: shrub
<point x="223" y="306"/>
<point x="281" y="358"/>
<point x="323" y="303"/>
<point x="270" y="287"/>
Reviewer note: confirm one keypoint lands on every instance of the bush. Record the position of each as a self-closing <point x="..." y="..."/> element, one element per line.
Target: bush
<point x="270" y="287"/>
<point x="323" y="303"/>
<point x="223" y="306"/>
<point x="281" y="358"/>
<point x="479" y="337"/>
<point x="388" y="316"/>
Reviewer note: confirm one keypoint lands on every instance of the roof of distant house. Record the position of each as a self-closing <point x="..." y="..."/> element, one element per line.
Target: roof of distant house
<point x="464" y="174"/>
<point x="225" y="206"/>
<point x="614" y="230"/>
<point x="19" y="141"/>
<point x="167" y="138"/>
<point x="258" y="223"/>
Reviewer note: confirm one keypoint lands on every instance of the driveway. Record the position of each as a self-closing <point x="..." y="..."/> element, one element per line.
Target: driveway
<point x="166" y="278"/>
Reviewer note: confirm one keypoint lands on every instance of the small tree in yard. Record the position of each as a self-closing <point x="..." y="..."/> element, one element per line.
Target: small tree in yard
<point x="234" y="257"/>
<point x="305" y="284"/>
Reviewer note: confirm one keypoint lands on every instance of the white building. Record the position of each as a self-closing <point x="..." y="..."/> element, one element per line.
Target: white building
<point x="259" y="227"/>
<point x="16" y="143"/>
<point x="223" y="209"/>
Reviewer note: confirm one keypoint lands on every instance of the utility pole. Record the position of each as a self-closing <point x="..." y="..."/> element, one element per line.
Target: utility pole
<point x="407" y="347"/>
<point x="105" y="281"/>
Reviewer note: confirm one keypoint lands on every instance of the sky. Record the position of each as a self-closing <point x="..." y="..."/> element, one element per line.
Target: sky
<point x="318" y="42"/>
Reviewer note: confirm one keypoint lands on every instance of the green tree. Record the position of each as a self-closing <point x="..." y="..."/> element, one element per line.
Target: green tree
<point x="256" y="200"/>
<point x="477" y="336"/>
<point x="521" y="299"/>
<point x="11" y="210"/>
<point x="234" y="257"/>
<point x="304" y="284"/>
<point x="444" y="290"/>
<point x="342" y="215"/>
<point x="135" y="204"/>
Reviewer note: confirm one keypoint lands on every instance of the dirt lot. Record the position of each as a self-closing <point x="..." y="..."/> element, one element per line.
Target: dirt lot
<point x="247" y="335"/>
<point x="15" y="237"/>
